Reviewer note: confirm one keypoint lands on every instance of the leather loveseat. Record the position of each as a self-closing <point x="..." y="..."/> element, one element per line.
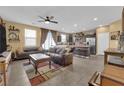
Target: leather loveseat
<point x="26" y="52"/>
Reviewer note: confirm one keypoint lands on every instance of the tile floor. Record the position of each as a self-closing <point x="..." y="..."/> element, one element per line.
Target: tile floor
<point x="77" y="74"/>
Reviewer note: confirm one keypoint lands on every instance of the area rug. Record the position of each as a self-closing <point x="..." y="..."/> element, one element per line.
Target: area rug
<point x="44" y="72"/>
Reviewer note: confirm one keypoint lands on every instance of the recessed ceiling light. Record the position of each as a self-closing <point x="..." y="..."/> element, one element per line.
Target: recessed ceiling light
<point x="95" y="19"/>
<point x="100" y="25"/>
<point x="63" y="29"/>
<point x="84" y="29"/>
<point x="33" y="23"/>
<point x="75" y="25"/>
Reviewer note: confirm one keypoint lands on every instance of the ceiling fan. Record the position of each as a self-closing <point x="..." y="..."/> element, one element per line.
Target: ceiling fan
<point x="47" y="19"/>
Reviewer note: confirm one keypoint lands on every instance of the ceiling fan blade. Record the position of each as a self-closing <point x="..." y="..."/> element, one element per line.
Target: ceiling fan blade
<point x="51" y="17"/>
<point x="40" y="21"/>
<point x="42" y="17"/>
<point x="54" y="22"/>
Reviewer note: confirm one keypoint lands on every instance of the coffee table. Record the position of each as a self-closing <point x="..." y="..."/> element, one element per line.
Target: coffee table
<point x="35" y="59"/>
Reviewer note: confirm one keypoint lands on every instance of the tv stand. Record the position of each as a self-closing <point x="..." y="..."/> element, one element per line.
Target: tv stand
<point x="4" y="62"/>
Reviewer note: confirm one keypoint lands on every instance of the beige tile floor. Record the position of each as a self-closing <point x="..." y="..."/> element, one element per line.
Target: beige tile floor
<point x="77" y="74"/>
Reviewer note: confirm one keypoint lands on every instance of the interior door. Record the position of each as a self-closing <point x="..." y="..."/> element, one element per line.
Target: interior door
<point x="103" y="42"/>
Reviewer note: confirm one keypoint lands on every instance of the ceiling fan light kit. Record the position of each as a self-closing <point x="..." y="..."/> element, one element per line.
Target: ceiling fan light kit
<point x="47" y="22"/>
<point x="47" y="19"/>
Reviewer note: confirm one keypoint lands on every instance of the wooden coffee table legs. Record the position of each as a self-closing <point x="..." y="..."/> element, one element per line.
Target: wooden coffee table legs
<point x="36" y="67"/>
<point x="50" y="64"/>
<point x="29" y="61"/>
<point x="105" y="58"/>
<point x="36" y="63"/>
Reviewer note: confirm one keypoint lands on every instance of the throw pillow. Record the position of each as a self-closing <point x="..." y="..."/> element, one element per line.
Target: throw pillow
<point x="58" y="50"/>
<point x="63" y="51"/>
<point x="52" y="50"/>
<point x="68" y="50"/>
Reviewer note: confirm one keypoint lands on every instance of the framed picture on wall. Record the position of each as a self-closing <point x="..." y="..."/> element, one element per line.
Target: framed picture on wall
<point x="115" y="35"/>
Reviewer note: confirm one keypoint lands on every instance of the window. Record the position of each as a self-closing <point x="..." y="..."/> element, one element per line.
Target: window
<point x="63" y="38"/>
<point x="30" y="37"/>
<point x="49" y="41"/>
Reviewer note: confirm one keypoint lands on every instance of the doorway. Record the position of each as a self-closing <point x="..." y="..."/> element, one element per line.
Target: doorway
<point x="102" y="42"/>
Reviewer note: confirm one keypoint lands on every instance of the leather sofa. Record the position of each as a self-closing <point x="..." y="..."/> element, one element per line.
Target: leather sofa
<point x="60" y="55"/>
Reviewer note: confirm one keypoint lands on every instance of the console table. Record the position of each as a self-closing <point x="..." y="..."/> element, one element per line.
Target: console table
<point x="107" y="78"/>
<point x="4" y="62"/>
<point x="115" y="79"/>
<point x="113" y="52"/>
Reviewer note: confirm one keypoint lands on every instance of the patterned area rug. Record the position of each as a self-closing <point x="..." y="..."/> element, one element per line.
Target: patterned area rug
<point x="44" y="72"/>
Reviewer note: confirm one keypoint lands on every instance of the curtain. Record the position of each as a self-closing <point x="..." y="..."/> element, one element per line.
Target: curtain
<point x="54" y="34"/>
<point x="49" y="42"/>
<point x="44" y="33"/>
<point x="123" y="20"/>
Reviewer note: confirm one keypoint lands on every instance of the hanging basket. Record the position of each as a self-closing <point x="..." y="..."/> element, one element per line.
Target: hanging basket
<point x="1" y="22"/>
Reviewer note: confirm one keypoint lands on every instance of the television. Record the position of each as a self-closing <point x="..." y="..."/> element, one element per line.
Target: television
<point x="3" y="46"/>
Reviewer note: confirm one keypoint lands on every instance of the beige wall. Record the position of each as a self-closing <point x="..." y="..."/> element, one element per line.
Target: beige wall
<point x="114" y="26"/>
<point x="20" y="44"/>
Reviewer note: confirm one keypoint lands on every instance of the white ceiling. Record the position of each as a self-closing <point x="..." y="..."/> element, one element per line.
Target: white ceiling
<point x="67" y="16"/>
